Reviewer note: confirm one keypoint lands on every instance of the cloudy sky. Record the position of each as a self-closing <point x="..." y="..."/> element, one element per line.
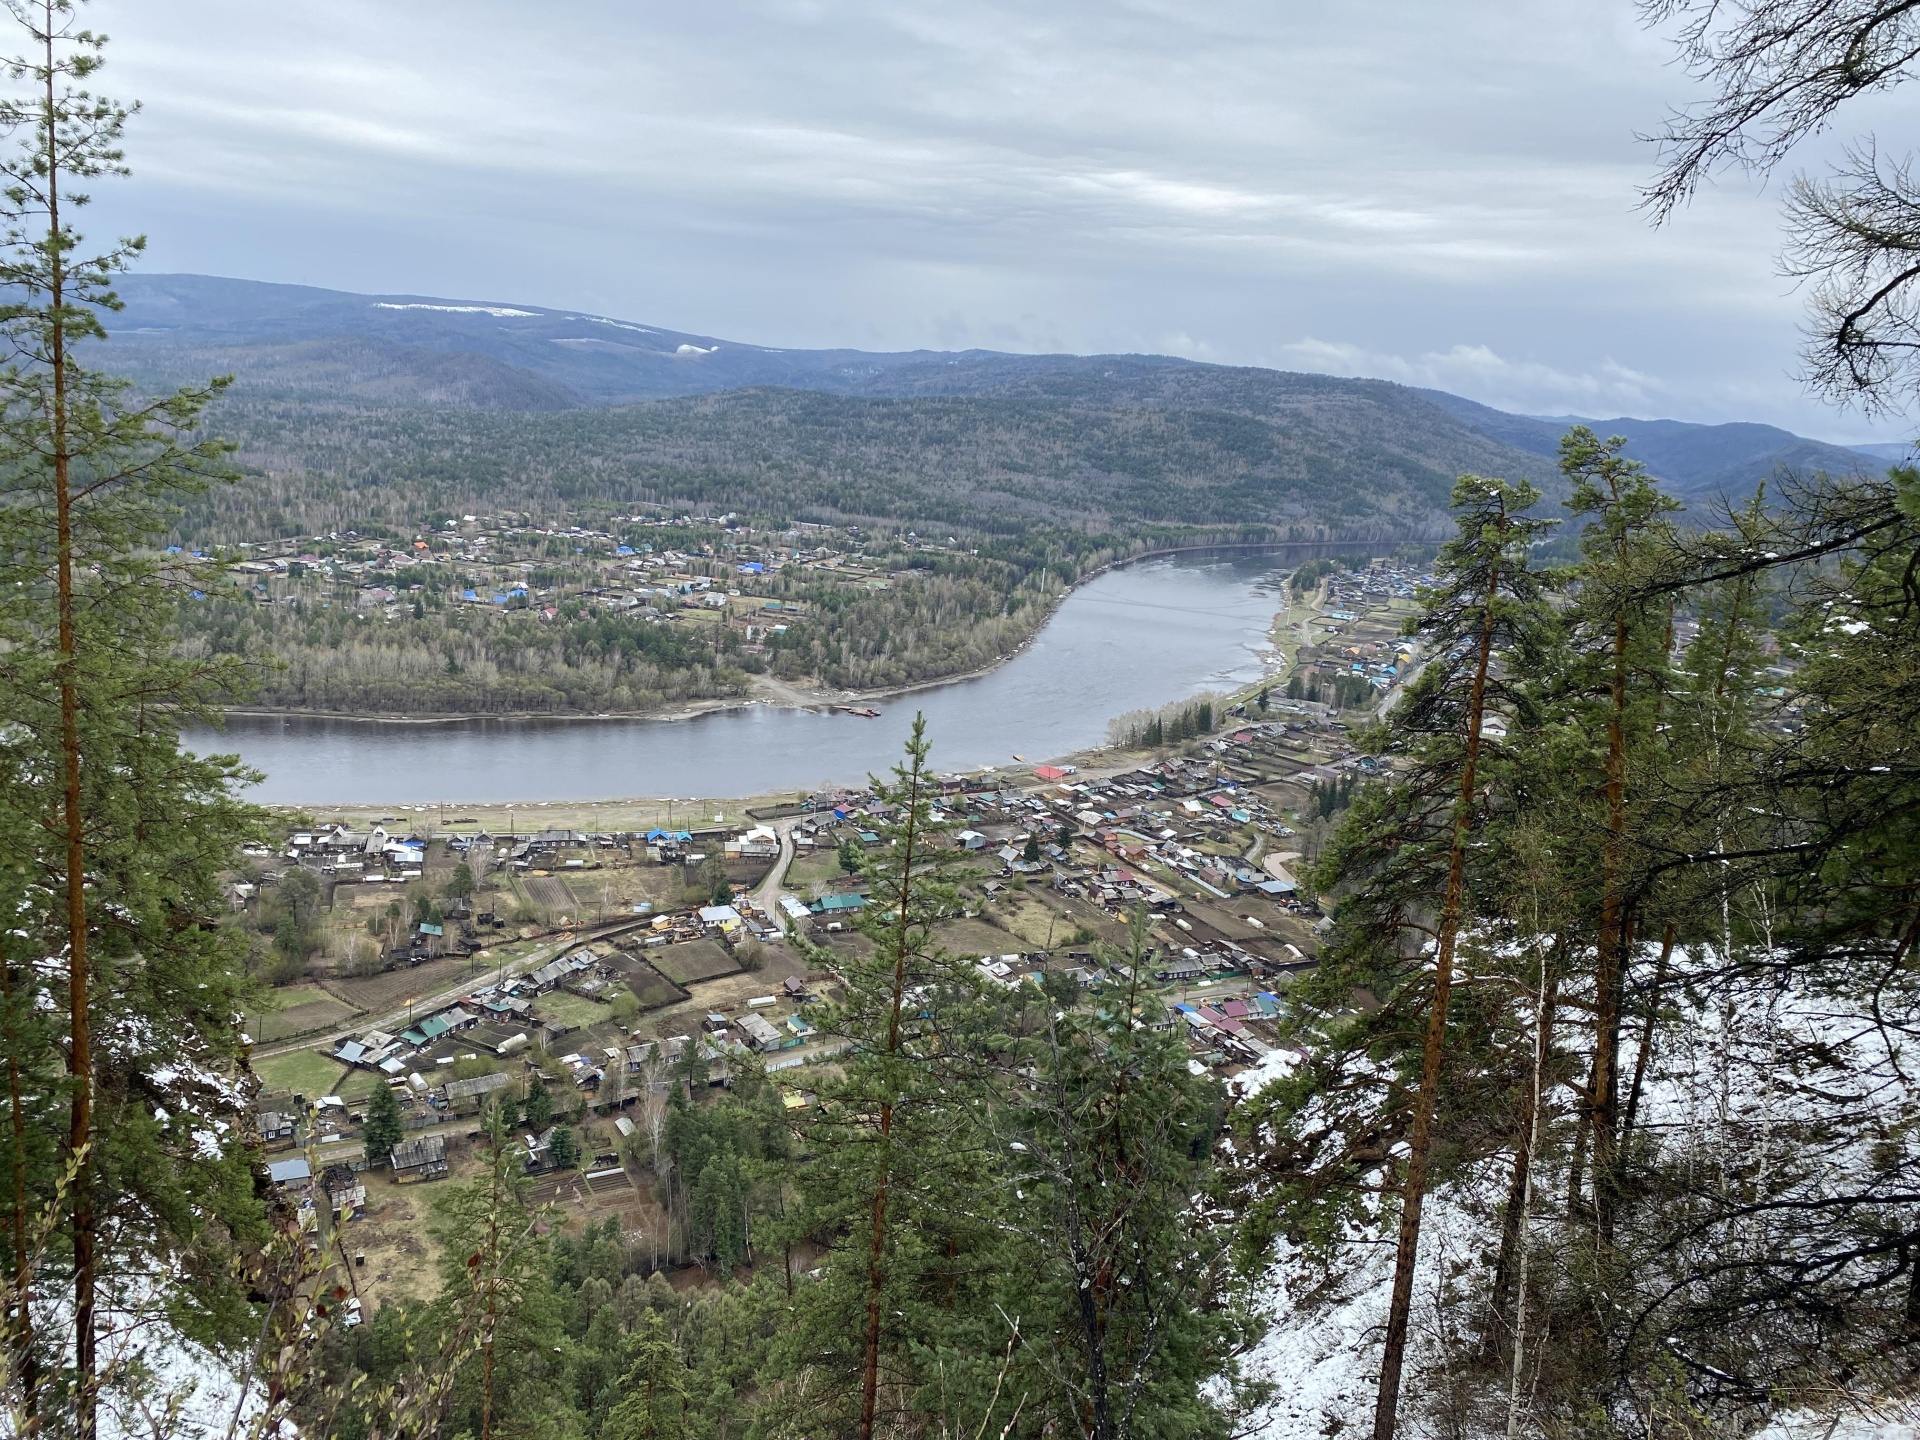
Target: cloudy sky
<point x="1435" y="191"/>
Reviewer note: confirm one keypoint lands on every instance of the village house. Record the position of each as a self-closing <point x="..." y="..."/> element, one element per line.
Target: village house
<point x="422" y="1158"/>
<point x="276" y="1128"/>
<point x="291" y="1176"/>
<point x="345" y="1194"/>
<point x="540" y="1152"/>
<point x="464" y="1096"/>
<point x="759" y="1032"/>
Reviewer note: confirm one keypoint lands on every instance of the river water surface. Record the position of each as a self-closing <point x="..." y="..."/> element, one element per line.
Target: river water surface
<point x="1136" y="637"/>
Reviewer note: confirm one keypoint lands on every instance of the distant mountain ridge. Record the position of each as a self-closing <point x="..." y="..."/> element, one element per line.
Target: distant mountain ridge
<point x="330" y="349"/>
<point x="1698" y="461"/>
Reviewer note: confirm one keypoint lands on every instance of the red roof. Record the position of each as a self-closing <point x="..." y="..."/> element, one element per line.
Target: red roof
<point x="1049" y="772"/>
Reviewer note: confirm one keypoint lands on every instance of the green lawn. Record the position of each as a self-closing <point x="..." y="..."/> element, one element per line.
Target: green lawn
<point x="806" y="870"/>
<point x="580" y="1013"/>
<point x="285" y="997"/>
<point x="307" y="1072"/>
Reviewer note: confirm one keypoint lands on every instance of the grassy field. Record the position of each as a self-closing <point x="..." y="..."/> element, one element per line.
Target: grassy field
<point x="815" y="869"/>
<point x="1044" y="920"/>
<point x="325" y="1013"/>
<point x="692" y="961"/>
<point x="577" y="1011"/>
<point x="295" y="1010"/>
<point x="378" y="994"/>
<point x="649" y="986"/>
<point x="974" y="937"/>
<point x="306" y="1072"/>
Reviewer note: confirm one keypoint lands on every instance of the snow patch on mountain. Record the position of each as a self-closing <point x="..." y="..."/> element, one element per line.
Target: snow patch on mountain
<point x="499" y="311"/>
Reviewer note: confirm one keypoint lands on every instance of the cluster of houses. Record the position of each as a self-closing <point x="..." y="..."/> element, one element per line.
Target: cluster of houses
<point x="1381" y="581"/>
<point x="1168" y="812"/>
<point x="490" y="563"/>
<point x="1222" y="1032"/>
<point x="1176" y="835"/>
<point x="366" y="855"/>
<point x="1230" y="1031"/>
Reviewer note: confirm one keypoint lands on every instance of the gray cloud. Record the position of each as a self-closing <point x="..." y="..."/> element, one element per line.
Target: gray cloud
<point x="1439" y="192"/>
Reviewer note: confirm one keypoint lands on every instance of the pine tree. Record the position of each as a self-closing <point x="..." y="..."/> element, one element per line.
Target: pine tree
<point x="656" y="1396"/>
<point x="497" y="1298"/>
<point x="1485" y="604"/>
<point x="1121" y="1280"/>
<point x="383" y="1127"/>
<point x="882" y="1187"/>
<point x="1621" y="627"/>
<point x="538" y="1106"/>
<point x="1404" y="865"/>
<point x="120" y="869"/>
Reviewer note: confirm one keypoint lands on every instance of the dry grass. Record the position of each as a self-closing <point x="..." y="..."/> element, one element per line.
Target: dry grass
<point x="578" y="1011"/>
<point x="402" y="1259"/>
<point x="640" y="813"/>
<point x="322" y="1014"/>
<point x="692" y="962"/>
<point x="974" y="937"/>
<point x="376" y="994"/>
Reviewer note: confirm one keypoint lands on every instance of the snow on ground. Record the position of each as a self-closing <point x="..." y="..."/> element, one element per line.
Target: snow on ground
<point x="1321" y="1352"/>
<point x="197" y="1391"/>
<point x="498" y="311"/>
<point x="1323" y="1365"/>
<point x="1891" y="1423"/>
<point x="1274" y="1065"/>
<point x="157" y="1382"/>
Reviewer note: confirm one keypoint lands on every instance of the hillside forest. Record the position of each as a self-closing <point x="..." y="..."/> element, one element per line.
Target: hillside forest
<point x="1010" y="505"/>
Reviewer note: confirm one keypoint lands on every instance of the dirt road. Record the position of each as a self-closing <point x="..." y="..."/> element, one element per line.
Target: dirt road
<point x="767" y="894"/>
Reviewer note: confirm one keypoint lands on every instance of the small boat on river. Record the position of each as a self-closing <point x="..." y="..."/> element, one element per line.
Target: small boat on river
<point x="865" y="712"/>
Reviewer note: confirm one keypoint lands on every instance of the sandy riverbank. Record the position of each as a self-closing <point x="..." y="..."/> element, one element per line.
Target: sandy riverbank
<point x="644" y="812"/>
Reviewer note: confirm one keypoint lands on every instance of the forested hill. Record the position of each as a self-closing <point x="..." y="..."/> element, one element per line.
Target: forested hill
<point x="1695" y="461"/>
<point x="467" y="402"/>
<point x="986" y="463"/>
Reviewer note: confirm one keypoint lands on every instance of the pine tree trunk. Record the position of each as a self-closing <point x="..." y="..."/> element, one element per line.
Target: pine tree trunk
<point x="1645" y="1054"/>
<point x="1414" y="1188"/>
<point x="1610" y="959"/>
<point x="493" y="1289"/>
<point x="876" y="1280"/>
<point x="79" y="1000"/>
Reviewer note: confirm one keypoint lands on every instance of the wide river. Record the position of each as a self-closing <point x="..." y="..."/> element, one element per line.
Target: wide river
<point x="1137" y="637"/>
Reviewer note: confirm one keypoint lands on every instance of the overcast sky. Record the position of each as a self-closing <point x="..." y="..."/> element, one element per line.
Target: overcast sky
<point x="1435" y="191"/>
